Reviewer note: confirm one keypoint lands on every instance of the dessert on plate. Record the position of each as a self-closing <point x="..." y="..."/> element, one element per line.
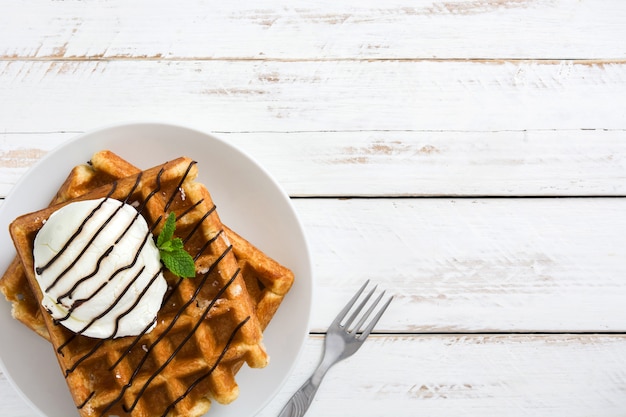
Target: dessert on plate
<point x="89" y="282"/>
<point x="267" y="280"/>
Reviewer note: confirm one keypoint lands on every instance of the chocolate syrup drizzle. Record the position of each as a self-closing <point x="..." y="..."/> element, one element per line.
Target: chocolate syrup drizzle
<point x="149" y="349"/>
<point x="199" y="223"/>
<point x="108" y="252"/>
<point x="125" y="200"/>
<point x="190" y="209"/>
<point x="77" y="303"/>
<point x="40" y="269"/>
<point x="117" y="321"/>
<point x="182" y="343"/>
<point x="177" y="316"/>
<point x="178" y="187"/>
<point x="210" y="371"/>
<point x="84" y="403"/>
<point x="84" y="250"/>
<point x="173" y="322"/>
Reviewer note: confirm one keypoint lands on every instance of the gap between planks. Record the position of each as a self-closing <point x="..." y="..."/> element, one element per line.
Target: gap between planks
<point x="159" y="58"/>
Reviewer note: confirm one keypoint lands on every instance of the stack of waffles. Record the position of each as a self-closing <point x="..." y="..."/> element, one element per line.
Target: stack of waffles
<point x="208" y="326"/>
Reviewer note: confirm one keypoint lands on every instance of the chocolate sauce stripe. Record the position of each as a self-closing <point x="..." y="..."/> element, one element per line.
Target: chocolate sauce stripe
<point x="127" y="229"/>
<point x="199" y="223"/>
<point x="180" y="184"/>
<point x="132" y="307"/>
<point x="145" y="201"/>
<point x="165" y="300"/>
<point x="182" y="343"/>
<point x="172" y="291"/>
<point x="132" y="345"/>
<point x="166" y="331"/>
<point x="206" y="245"/>
<point x="40" y="269"/>
<point x="210" y="371"/>
<point x="55" y="257"/>
<point x="84" y="403"/>
<point x="75" y="235"/>
<point x="67" y="342"/>
<point x="134" y="187"/>
<point x="117" y="320"/>
<point x="190" y="209"/>
<point x="107" y="252"/>
<point x="142" y="206"/>
<point x="84" y="250"/>
<point x="80" y="302"/>
<point x="100" y="343"/>
<point x="114" y="185"/>
<point x="85" y="278"/>
<point x="115" y="302"/>
<point x="71" y="369"/>
<point x="104" y="255"/>
<point x="71" y="338"/>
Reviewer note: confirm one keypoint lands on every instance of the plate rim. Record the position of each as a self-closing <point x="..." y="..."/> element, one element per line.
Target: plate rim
<point x="82" y="136"/>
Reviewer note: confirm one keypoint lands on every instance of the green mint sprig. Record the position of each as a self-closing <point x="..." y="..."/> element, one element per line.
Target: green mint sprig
<point x="174" y="256"/>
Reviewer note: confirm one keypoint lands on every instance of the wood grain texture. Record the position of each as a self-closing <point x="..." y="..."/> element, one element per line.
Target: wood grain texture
<point x="354" y="29"/>
<point x="401" y="163"/>
<point x="19" y="152"/>
<point x="452" y="375"/>
<point x="487" y="375"/>
<point x="464" y="100"/>
<point x="236" y="96"/>
<point x="474" y="265"/>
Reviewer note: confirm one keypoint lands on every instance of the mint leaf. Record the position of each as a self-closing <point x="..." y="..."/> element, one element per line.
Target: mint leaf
<point x="177" y="244"/>
<point x="168" y="230"/>
<point x="173" y="254"/>
<point x="180" y="263"/>
<point x="166" y="246"/>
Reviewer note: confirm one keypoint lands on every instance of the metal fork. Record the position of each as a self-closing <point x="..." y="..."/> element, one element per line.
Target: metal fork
<point x="341" y="341"/>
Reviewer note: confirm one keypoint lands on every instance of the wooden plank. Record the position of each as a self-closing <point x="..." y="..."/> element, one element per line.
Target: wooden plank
<point x="473" y="265"/>
<point x="19" y="152"/>
<point x="355" y="29"/>
<point x="436" y="163"/>
<point x="452" y="375"/>
<point x="432" y="163"/>
<point x="493" y="375"/>
<point x="240" y="96"/>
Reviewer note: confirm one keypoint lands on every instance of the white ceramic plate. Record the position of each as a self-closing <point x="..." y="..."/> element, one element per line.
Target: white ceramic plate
<point x="249" y="201"/>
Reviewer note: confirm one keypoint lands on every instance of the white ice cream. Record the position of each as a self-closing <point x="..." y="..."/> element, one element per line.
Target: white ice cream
<point x="95" y="269"/>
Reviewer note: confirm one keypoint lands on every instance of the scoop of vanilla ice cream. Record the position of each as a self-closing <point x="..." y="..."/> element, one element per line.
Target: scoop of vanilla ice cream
<point x="99" y="269"/>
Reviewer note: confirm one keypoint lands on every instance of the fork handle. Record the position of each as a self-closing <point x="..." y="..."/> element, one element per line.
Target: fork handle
<point x="299" y="403"/>
<point x="301" y="400"/>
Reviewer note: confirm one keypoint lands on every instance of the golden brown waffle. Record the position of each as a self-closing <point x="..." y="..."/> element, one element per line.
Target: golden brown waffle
<point x="267" y="281"/>
<point x="25" y="307"/>
<point x="206" y="327"/>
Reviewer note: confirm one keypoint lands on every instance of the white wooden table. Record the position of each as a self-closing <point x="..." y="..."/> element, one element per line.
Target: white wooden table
<point x="469" y="156"/>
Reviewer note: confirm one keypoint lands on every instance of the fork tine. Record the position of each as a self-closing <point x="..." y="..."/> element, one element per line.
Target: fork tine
<point x="368" y="312"/>
<point x="370" y="326"/>
<point x="357" y="310"/>
<point x="348" y="306"/>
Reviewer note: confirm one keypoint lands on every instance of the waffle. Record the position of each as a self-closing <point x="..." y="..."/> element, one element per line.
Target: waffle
<point x="205" y="329"/>
<point x="267" y="281"/>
